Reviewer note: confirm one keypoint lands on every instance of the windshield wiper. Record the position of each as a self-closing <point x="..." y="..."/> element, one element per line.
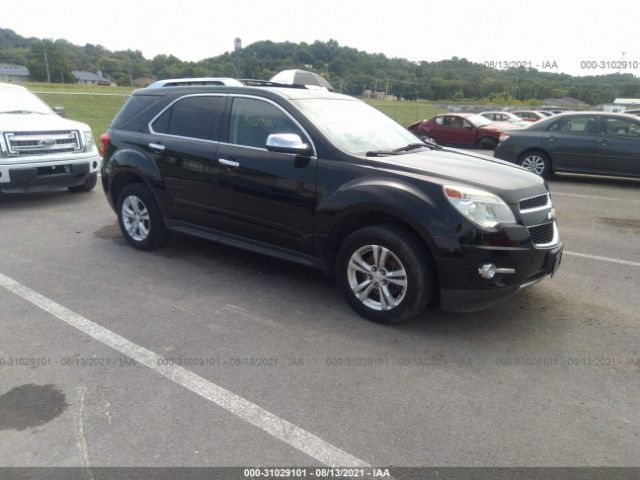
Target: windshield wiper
<point x="406" y="148"/>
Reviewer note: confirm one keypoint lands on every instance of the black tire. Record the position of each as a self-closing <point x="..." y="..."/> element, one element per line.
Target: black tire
<point x="527" y="160"/>
<point x="86" y="186"/>
<point x="413" y="256"/>
<point x="157" y="233"/>
<point x="487" y="143"/>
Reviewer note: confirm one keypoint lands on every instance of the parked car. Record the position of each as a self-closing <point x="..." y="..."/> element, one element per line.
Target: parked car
<point x="530" y="115"/>
<point x="586" y="142"/>
<point x="41" y="150"/>
<point x="327" y="181"/>
<point x="501" y="116"/>
<point x="460" y="129"/>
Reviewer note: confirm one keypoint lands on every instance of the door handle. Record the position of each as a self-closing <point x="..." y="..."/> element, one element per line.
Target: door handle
<point x="603" y="141"/>
<point x="229" y="163"/>
<point x="551" y="138"/>
<point x="157" y="147"/>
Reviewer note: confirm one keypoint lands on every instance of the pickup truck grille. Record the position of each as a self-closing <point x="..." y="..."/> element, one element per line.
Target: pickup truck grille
<point x="42" y="143"/>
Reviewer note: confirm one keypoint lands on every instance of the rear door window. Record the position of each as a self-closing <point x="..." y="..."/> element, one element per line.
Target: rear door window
<point x="193" y="117"/>
<point x="621" y="127"/>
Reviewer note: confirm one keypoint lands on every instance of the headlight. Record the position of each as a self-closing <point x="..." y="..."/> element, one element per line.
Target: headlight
<point x="89" y="143"/>
<point x="482" y="208"/>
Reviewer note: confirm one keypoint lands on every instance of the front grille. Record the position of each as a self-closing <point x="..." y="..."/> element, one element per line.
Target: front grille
<point x="534" y="202"/>
<point x="542" y="234"/>
<point x="42" y="143"/>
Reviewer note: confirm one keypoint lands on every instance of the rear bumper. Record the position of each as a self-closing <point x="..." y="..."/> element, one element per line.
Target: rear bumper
<point x="529" y="266"/>
<point x="47" y="175"/>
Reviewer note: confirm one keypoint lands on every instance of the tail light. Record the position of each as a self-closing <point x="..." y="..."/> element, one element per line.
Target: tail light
<point x="503" y="137"/>
<point x="105" y="139"/>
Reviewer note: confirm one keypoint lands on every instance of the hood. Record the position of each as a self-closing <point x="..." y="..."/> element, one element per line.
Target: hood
<point x="495" y="127"/>
<point x="33" y="122"/>
<point x="509" y="181"/>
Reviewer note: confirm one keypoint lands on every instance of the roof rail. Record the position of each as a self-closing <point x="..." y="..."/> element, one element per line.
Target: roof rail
<point x="186" y="82"/>
<point x="252" y="82"/>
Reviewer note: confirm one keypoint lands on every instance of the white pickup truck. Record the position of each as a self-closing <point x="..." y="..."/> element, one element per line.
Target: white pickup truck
<point x="40" y="150"/>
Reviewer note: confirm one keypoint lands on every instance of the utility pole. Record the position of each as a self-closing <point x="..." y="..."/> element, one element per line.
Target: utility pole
<point x="237" y="46"/>
<point x="46" y="63"/>
<point x="386" y="90"/>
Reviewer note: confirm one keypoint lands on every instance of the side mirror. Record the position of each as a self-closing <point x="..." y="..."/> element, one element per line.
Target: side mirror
<point x="287" y="143"/>
<point x="60" y="111"/>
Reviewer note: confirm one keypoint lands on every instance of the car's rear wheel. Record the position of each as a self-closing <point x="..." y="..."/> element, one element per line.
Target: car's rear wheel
<point x="536" y="162"/>
<point x="86" y="186"/>
<point x="140" y="219"/>
<point x="487" y="143"/>
<point x="385" y="273"/>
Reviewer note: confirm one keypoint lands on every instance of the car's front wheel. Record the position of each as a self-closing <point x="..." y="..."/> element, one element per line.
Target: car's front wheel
<point x="140" y="219"/>
<point x="536" y="162"/>
<point x="487" y="143"/>
<point x="385" y="273"/>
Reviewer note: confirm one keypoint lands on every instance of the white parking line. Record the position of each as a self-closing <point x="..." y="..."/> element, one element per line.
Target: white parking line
<point x="275" y="426"/>
<point x="604" y="259"/>
<point x="594" y="197"/>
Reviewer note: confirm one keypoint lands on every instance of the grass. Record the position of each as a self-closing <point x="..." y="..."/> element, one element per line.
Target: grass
<point x="98" y="110"/>
<point x="406" y="112"/>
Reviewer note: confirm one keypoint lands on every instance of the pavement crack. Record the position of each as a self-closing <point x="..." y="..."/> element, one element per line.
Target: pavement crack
<point x="81" y="440"/>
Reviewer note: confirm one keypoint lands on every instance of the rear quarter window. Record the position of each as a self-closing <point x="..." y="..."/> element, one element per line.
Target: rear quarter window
<point x="131" y="115"/>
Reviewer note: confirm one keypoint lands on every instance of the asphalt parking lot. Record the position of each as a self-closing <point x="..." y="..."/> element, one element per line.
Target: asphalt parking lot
<point x="277" y="370"/>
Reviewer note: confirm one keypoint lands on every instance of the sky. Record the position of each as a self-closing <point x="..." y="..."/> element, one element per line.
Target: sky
<point x="554" y="36"/>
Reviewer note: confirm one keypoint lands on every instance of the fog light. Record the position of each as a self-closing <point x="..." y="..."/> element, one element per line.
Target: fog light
<point x="487" y="271"/>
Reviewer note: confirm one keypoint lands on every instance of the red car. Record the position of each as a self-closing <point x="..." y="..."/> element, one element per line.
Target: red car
<point x="464" y="129"/>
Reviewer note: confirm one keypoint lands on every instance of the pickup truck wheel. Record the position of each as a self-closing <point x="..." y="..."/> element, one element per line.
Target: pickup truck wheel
<point x="385" y="273"/>
<point x="140" y="219"/>
<point x="487" y="143"/>
<point x="86" y="186"/>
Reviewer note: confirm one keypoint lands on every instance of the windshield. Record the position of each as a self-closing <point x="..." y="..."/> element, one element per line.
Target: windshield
<point x="478" y="120"/>
<point x="21" y="101"/>
<point x="355" y="127"/>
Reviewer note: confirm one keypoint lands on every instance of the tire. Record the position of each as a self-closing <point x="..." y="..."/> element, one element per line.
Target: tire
<point x="86" y="186"/>
<point x="536" y="162"/>
<point x="405" y="252"/>
<point x="140" y="219"/>
<point x="487" y="143"/>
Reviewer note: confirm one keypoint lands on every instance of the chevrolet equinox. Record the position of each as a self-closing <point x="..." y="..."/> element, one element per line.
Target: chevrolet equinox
<point x="327" y="181"/>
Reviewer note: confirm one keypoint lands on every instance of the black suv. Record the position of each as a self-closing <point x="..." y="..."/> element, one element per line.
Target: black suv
<point x="325" y="180"/>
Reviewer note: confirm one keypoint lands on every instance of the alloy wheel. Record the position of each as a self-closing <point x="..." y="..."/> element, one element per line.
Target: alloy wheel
<point x="377" y="277"/>
<point x="534" y="163"/>
<point x="135" y="218"/>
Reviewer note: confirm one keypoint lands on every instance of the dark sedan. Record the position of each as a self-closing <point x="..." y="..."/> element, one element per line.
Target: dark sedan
<point x="588" y="142"/>
<point x="461" y="129"/>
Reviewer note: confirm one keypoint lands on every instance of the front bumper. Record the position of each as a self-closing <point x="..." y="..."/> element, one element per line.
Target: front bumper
<point x="465" y="291"/>
<point x="28" y="175"/>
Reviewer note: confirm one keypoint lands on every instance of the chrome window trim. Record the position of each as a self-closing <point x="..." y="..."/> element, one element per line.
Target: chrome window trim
<point x="546" y="206"/>
<point x="267" y="100"/>
<point x="152" y="121"/>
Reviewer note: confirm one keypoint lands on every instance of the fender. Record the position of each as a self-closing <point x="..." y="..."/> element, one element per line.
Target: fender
<point x="421" y="210"/>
